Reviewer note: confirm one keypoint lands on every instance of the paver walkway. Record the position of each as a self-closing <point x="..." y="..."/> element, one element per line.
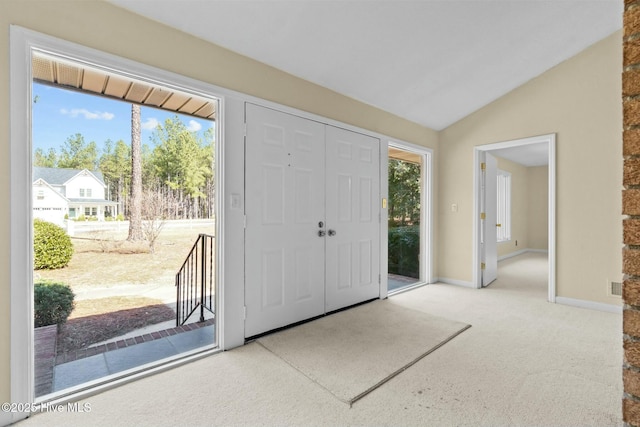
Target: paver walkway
<point x="110" y="362"/>
<point x="128" y="342"/>
<point x="80" y="366"/>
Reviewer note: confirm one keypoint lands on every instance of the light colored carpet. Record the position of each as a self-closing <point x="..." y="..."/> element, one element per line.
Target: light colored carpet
<point x="525" y="362"/>
<point x="352" y="352"/>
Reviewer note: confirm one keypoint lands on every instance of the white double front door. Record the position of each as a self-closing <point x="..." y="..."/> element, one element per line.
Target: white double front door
<point x="312" y="208"/>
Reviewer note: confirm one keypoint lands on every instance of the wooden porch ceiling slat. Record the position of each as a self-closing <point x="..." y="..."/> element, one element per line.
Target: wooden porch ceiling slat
<point x="48" y="69"/>
<point x="406" y="156"/>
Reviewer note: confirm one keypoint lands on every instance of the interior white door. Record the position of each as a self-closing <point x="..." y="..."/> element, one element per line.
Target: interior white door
<point x="353" y="221"/>
<point x="490" y="237"/>
<point x="285" y="201"/>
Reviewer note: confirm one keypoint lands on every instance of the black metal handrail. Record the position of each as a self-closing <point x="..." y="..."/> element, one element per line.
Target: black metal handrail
<point x="195" y="281"/>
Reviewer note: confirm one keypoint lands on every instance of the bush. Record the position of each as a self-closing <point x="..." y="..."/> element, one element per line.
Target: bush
<point x="52" y="303"/>
<point x="52" y="247"/>
<point x="404" y="251"/>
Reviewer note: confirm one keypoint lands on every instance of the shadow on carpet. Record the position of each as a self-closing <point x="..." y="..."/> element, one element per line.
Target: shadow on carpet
<point x="353" y="352"/>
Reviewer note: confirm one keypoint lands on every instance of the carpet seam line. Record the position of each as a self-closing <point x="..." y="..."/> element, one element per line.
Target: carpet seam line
<point x="408" y="365"/>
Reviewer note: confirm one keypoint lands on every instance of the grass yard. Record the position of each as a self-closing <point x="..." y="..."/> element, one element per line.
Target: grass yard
<point x="105" y="260"/>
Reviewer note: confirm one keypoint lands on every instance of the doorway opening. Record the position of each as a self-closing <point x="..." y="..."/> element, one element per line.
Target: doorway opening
<point x="529" y="197"/>
<point x="408" y="212"/>
<point x="124" y="174"/>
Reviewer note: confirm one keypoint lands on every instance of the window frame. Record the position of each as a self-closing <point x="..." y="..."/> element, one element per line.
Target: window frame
<point x="23" y="42"/>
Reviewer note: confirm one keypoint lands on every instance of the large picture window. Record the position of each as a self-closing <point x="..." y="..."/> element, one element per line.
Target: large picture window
<point x="187" y="116"/>
<point x="105" y="336"/>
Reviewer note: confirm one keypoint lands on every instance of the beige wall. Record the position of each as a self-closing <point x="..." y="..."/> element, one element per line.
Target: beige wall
<point x="107" y="28"/>
<point x="519" y="208"/>
<point x="579" y="100"/>
<point x="538" y="205"/>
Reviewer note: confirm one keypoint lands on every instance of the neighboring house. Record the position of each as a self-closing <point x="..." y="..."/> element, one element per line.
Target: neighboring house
<point x="70" y="193"/>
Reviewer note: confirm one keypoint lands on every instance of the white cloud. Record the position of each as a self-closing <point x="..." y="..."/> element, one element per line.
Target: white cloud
<point x="194" y="126"/>
<point x="89" y="115"/>
<point x="150" y="124"/>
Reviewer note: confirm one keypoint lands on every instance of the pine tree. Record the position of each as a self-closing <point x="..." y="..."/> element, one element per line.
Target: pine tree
<point x="135" y="201"/>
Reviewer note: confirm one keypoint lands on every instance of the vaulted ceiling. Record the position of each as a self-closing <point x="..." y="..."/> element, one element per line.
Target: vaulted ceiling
<point x="432" y="62"/>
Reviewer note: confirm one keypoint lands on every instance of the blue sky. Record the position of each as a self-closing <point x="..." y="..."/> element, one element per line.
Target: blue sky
<point x="59" y="114"/>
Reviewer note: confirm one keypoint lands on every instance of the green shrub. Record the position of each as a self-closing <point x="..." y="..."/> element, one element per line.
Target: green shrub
<point x="81" y="218"/>
<point x="52" y="303"/>
<point x="52" y="247"/>
<point x="404" y="251"/>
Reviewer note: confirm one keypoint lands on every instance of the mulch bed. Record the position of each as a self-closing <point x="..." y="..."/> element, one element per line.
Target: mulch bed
<point x="97" y="320"/>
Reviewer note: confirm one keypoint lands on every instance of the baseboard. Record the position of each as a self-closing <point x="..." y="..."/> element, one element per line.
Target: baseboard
<point x="512" y="254"/>
<point x="539" y="251"/>
<point x="520" y="252"/>
<point x="454" y="282"/>
<point x="591" y="305"/>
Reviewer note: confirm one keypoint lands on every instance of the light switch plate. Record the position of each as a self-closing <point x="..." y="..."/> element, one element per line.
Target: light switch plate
<point x="236" y="201"/>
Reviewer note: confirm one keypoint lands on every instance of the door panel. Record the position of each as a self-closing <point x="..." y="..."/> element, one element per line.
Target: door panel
<point x="353" y="189"/>
<point x="285" y="200"/>
<point x="490" y="272"/>
<point x="272" y="278"/>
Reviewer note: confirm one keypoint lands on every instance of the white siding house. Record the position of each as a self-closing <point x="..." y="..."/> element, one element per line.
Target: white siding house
<point x="70" y="193"/>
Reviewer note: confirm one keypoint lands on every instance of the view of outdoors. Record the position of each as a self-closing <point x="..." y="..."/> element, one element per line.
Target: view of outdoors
<point x="123" y="208"/>
<point x="404" y="218"/>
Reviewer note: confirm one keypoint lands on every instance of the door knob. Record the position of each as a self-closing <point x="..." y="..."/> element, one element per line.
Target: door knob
<point x="320" y="224"/>
<point x="332" y="232"/>
<point x="321" y="233"/>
